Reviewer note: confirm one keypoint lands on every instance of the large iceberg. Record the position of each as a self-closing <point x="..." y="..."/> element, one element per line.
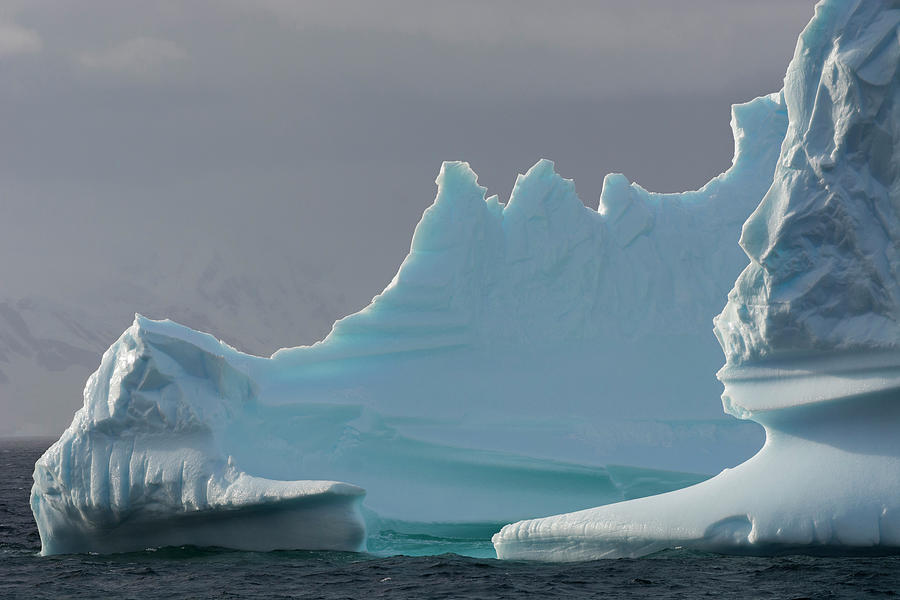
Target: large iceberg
<point x="502" y="374"/>
<point x="811" y="332"/>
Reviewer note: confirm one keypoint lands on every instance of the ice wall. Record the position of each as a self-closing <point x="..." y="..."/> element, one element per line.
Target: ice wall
<point x="531" y="357"/>
<point x="809" y="332"/>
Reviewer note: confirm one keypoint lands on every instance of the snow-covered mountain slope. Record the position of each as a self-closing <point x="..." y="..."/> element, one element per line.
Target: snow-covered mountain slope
<point x="50" y="345"/>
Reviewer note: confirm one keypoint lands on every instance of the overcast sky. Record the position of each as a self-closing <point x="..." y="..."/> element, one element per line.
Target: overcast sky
<point x="316" y="129"/>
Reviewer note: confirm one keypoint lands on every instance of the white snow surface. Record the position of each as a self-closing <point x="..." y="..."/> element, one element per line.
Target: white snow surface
<point x="810" y="332"/>
<point x="501" y="374"/>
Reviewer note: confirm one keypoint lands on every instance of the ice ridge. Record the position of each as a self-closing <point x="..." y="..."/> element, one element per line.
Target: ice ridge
<point x="544" y="268"/>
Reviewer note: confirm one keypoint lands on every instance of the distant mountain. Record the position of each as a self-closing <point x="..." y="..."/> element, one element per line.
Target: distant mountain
<point x="50" y="345"/>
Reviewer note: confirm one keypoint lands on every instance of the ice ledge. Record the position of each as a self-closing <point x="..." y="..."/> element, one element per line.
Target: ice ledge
<point x="757" y="388"/>
<point x="245" y="491"/>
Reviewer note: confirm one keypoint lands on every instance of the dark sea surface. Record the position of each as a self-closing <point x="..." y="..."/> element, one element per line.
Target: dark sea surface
<point x="211" y="573"/>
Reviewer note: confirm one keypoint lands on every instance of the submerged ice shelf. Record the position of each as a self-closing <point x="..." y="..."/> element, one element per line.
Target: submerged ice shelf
<point x="810" y="332"/>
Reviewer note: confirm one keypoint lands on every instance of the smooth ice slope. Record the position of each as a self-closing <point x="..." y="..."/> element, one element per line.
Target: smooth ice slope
<point x="810" y="331"/>
<point x="502" y="374"/>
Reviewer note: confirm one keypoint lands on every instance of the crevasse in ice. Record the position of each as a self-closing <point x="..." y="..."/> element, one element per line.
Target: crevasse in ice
<point x="810" y="332"/>
<point x="502" y="374"/>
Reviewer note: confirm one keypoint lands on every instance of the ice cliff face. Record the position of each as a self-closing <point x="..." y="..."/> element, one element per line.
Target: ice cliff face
<point x="823" y="243"/>
<point x="810" y="332"/>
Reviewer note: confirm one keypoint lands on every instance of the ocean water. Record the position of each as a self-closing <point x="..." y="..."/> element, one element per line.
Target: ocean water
<point x="214" y="573"/>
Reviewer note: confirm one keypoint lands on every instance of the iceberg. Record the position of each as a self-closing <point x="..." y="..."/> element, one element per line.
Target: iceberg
<point x="145" y="467"/>
<point x="809" y="331"/>
<point x="500" y="375"/>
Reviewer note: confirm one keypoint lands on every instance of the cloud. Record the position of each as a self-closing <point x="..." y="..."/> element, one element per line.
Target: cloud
<point x="15" y="39"/>
<point x="139" y="58"/>
<point x="645" y="46"/>
<point x="608" y="25"/>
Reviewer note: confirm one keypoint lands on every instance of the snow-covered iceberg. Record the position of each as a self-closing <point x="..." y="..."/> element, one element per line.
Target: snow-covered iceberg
<point x="502" y="374"/>
<point x="811" y="331"/>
